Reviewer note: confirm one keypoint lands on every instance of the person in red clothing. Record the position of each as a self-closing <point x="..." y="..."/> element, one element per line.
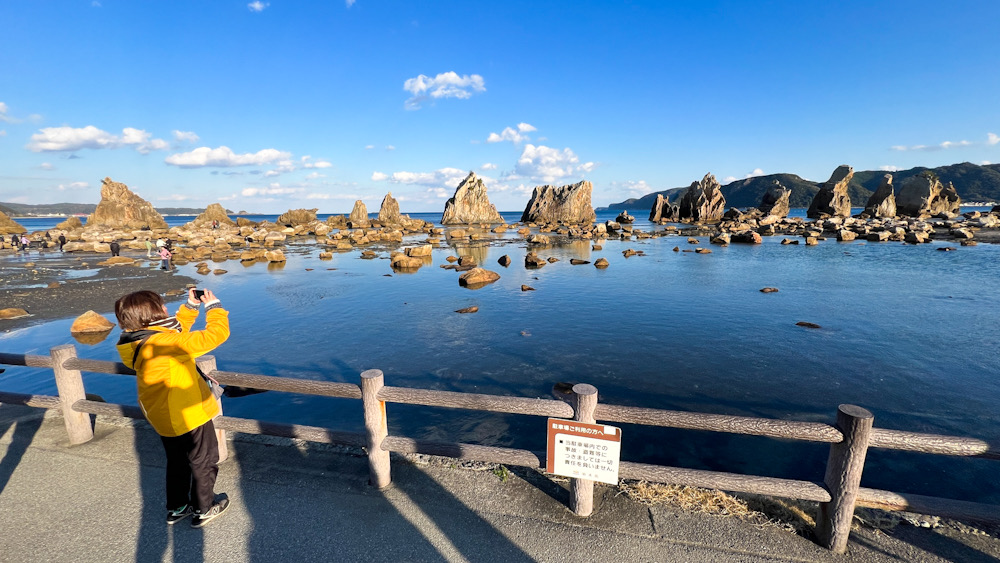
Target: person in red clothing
<point x="174" y="396"/>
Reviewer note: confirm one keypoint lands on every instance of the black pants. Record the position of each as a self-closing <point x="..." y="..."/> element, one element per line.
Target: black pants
<point x="192" y="466"/>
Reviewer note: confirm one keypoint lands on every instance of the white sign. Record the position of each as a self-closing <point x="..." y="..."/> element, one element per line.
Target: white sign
<point x="583" y="451"/>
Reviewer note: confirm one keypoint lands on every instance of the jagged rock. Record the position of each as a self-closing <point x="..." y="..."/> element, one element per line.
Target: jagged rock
<point x="400" y="261"/>
<point x="569" y="204"/>
<point x="294" y="217"/>
<point x="359" y="216"/>
<point x="924" y="196"/>
<point x="389" y="212"/>
<point x="467" y="261"/>
<point x="8" y="226"/>
<point x="775" y="201"/>
<point x="527" y="288"/>
<point x="601" y="263"/>
<point x="721" y="238"/>
<point x="703" y="201"/>
<point x="532" y="260"/>
<point x="663" y="211"/>
<point x="832" y="198"/>
<point x="846" y="236"/>
<point x="882" y="203"/>
<point x="504" y="261"/>
<point x="470" y="204"/>
<point x="119" y="208"/>
<point x="624" y="217"/>
<point x="477" y="277"/>
<point x="91" y="322"/>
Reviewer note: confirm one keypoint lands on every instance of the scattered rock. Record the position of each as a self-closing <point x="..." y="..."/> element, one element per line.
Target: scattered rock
<point x="532" y="261"/>
<point x="477" y="277"/>
<point x="503" y="261"/>
<point x="807" y="324"/>
<point x="702" y="251"/>
<point x="91" y="322"/>
<point x="601" y="263"/>
<point x="275" y="256"/>
<point x="527" y="288"/>
<point x="472" y="309"/>
<point x="769" y="290"/>
<point x="219" y="271"/>
<point x="578" y="262"/>
<point x="13" y="313"/>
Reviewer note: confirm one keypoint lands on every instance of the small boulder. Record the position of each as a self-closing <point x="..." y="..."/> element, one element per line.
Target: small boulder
<point x="601" y="263"/>
<point x="504" y="261"/>
<point x="472" y="309"/>
<point x="13" y="313"/>
<point x="91" y="322"/>
<point x="527" y="288"/>
<point x="477" y="277"/>
<point x="769" y="290"/>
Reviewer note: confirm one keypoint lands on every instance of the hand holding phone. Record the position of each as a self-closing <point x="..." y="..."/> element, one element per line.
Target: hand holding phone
<point x="198" y="294"/>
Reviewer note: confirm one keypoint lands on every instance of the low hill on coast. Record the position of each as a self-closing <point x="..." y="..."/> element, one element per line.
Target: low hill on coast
<point x="972" y="181"/>
<point x="49" y="209"/>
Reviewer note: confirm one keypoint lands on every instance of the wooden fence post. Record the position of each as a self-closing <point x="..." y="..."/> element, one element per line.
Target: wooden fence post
<point x="843" y="477"/>
<point x="581" y="491"/>
<point x="207" y="365"/>
<point x="69" y="383"/>
<point x="376" y="426"/>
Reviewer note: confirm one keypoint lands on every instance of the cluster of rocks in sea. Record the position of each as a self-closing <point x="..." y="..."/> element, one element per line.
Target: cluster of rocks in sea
<point x="919" y="210"/>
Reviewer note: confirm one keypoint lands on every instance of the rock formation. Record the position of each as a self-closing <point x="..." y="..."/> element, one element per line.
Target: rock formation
<point x="882" y="203"/>
<point x="703" y="201"/>
<point x="663" y="211"/>
<point x="470" y="204"/>
<point x="924" y="196"/>
<point x="215" y="212"/>
<point x="775" y="201"/>
<point x="624" y="217"/>
<point x="832" y="198"/>
<point x="71" y="223"/>
<point x="569" y="204"/>
<point x="119" y="208"/>
<point x="9" y="226"/>
<point x="389" y="212"/>
<point x="359" y="215"/>
<point x="294" y="217"/>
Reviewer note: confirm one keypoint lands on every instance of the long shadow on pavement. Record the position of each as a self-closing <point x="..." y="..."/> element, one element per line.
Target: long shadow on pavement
<point x="26" y="422"/>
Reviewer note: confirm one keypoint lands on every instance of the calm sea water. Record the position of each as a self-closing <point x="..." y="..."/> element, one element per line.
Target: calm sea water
<point x="907" y="331"/>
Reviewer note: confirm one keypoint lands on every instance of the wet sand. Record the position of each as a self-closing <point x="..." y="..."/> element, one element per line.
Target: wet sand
<point x="82" y="284"/>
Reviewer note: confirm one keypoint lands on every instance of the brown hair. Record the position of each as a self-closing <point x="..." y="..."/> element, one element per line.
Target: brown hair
<point x="136" y="310"/>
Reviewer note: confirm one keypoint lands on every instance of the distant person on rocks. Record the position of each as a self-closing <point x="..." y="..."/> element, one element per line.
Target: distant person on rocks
<point x="248" y="239"/>
<point x="62" y="241"/>
<point x="175" y="398"/>
<point x="25" y="243"/>
<point x="149" y="248"/>
<point x="159" y="243"/>
<point x="165" y="256"/>
<point x="115" y="248"/>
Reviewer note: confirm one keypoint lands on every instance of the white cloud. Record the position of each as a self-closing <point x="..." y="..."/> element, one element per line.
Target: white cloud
<point x="634" y="188"/>
<point x="95" y="4"/>
<point x="315" y="175"/>
<point x="224" y="157"/>
<point x="488" y="166"/>
<point x="47" y="166"/>
<point x="258" y="6"/>
<point x="525" y="127"/>
<point x="349" y="3"/>
<point x="992" y="139"/>
<point x="3" y="114"/>
<point x="985" y="163"/>
<point x="931" y="148"/>
<point x="74" y="186"/>
<point x="185" y="136"/>
<point x="369" y="147"/>
<point x="347" y="197"/>
<point x="508" y="134"/>
<point x="390" y="148"/>
<point x="270" y="190"/>
<point x="443" y="177"/>
<point x="305" y="160"/>
<point x="53" y="139"/>
<point x="445" y="85"/>
<point x="752" y="174"/>
<point x="548" y="164"/>
<point x="889" y="168"/>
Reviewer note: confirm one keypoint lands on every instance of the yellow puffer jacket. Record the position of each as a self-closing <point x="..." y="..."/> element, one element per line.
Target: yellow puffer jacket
<point x="173" y="396"/>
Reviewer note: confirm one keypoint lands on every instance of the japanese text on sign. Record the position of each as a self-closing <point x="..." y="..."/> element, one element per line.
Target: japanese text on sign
<point x="584" y="451"/>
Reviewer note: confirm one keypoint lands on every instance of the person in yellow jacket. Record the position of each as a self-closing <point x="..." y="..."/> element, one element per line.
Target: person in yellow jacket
<point x="174" y="396"/>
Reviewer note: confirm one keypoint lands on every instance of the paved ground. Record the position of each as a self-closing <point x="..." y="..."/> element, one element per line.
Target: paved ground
<point x="103" y="501"/>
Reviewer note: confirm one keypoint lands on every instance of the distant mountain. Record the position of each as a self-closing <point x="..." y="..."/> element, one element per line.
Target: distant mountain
<point x="28" y="210"/>
<point x="972" y="181"/>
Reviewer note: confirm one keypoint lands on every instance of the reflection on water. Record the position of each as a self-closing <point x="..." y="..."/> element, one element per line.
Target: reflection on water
<point x="91" y="338"/>
<point x="908" y="332"/>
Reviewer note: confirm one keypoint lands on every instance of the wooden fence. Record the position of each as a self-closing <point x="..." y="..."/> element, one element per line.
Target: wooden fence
<point x="838" y="493"/>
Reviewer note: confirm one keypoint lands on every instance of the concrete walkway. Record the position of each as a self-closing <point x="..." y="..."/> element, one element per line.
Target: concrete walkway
<point x="104" y="501"/>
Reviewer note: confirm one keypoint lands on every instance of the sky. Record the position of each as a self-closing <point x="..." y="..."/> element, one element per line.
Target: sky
<point x="266" y="106"/>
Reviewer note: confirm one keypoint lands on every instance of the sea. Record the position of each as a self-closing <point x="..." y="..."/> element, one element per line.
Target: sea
<point x="908" y="332"/>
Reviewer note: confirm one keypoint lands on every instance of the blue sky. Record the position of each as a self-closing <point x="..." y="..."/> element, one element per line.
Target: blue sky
<point x="268" y="106"/>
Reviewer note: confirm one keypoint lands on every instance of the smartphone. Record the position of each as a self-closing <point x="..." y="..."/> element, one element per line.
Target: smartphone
<point x="199" y="293"/>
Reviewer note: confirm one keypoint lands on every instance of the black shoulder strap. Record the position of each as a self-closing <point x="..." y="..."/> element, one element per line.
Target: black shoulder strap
<point x="135" y="354"/>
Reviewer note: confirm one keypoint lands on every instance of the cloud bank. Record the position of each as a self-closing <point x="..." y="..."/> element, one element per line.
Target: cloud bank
<point x="444" y="85"/>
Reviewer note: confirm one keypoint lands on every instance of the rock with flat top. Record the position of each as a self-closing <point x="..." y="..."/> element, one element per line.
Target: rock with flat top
<point x="569" y="204"/>
<point x="477" y="277"/>
<point x="294" y="217"/>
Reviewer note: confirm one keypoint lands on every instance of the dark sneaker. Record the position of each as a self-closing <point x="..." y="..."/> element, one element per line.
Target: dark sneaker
<point x="199" y="520"/>
<point x="175" y="516"/>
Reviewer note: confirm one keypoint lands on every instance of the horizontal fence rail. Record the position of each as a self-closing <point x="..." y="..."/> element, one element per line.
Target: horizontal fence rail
<point x="837" y="494"/>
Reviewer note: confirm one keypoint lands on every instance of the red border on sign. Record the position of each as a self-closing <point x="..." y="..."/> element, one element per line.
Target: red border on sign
<point x="573" y="428"/>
